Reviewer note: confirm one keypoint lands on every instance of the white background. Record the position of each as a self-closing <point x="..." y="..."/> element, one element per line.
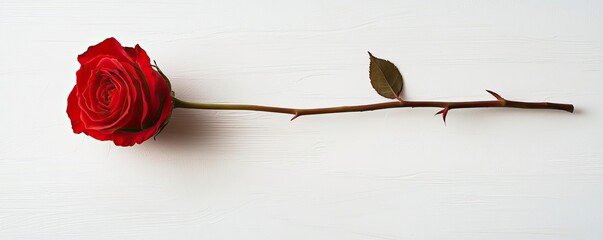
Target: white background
<point x="391" y="174"/>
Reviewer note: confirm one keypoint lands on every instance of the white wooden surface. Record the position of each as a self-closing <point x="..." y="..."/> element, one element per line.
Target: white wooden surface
<point x="393" y="174"/>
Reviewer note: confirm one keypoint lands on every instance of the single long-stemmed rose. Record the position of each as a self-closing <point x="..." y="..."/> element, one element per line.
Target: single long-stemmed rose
<point x="120" y="96"/>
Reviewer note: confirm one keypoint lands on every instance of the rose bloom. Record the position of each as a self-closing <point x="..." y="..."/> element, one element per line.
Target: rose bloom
<point x="118" y="95"/>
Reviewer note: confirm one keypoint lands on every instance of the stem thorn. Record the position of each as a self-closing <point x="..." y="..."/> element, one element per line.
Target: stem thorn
<point x="496" y="95"/>
<point x="444" y="113"/>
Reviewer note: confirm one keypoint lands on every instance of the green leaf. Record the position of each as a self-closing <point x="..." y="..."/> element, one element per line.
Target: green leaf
<point x="385" y="77"/>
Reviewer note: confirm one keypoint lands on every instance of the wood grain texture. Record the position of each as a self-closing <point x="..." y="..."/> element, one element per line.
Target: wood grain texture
<point x="392" y="174"/>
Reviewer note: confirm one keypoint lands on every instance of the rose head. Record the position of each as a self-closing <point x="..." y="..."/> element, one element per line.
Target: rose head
<point x="118" y="95"/>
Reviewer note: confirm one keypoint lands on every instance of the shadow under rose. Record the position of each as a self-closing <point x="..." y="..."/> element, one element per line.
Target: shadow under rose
<point x="190" y="129"/>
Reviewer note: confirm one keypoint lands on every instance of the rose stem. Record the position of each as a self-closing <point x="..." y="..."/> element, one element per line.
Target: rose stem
<point x="499" y="102"/>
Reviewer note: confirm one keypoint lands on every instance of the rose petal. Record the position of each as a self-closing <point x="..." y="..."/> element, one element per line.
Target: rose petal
<point x="73" y="111"/>
<point x="145" y="95"/>
<point x="144" y="64"/>
<point x="110" y="47"/>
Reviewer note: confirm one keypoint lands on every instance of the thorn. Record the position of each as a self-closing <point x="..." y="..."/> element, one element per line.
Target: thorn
<point x="444" y="113"/>
<point x="495" y="95"/>
<point x="294" y="117"/>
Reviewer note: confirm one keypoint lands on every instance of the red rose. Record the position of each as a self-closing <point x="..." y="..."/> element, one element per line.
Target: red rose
<point x="118" y="95"/>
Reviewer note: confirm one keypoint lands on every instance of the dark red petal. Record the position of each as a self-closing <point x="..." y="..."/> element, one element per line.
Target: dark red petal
<point x="141" y="56"/>
<point x="130" y="138"/>
<point x="144" y="64"/>
<point x="131" y="52"/>
<point x="141" y="82"/>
